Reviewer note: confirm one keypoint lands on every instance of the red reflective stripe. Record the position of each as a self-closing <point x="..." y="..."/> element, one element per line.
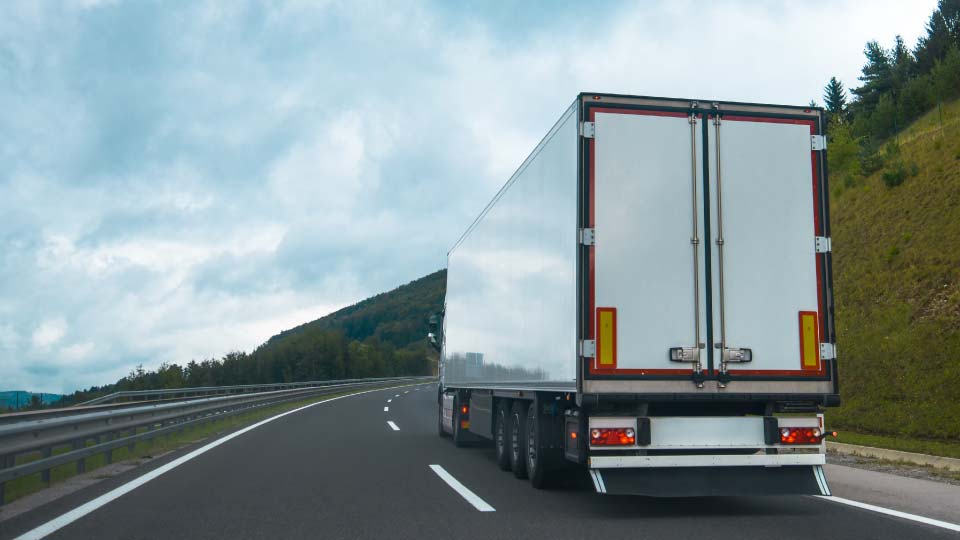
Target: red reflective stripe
<point x="592" y="310"/>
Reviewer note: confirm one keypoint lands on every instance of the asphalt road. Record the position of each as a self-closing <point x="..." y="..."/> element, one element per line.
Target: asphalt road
<point x="339" y="470"/>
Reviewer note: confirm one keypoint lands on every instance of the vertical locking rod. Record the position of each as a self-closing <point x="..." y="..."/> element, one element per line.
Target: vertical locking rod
<point x="695" y="241"/>
<point x="723" y="326"/>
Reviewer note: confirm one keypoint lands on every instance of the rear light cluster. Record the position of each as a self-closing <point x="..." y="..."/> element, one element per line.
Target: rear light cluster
<point x="613" y="436"/>
<point x="800" y="435"/>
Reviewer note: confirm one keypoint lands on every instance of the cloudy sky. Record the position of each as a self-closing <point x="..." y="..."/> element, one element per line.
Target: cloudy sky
<point x="182" y="179"/>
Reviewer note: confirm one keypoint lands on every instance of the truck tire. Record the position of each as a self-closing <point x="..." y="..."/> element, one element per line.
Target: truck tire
<point x="535" y="456"/>
<point x="501" y="435"/>
<point x="518" y="438"/>
<point x="459" y="437"/>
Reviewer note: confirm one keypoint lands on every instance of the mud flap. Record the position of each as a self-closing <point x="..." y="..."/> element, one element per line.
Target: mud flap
<point x="711" y="481"/>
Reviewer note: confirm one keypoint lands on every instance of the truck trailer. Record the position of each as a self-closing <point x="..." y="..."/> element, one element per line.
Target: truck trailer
<point x="650" y="297"/>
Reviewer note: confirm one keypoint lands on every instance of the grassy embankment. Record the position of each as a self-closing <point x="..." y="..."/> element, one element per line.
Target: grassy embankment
<point x="897" y="274"/>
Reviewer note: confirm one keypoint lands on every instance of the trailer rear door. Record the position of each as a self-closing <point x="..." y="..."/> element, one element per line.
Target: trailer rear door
<point x="704" y="263"/>
<point x="765" y="293"/>
<point x="646" y="202"/>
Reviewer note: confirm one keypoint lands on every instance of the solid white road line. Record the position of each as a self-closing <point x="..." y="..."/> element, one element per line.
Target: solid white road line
<point x="392" y="425"/>
<point x="386" y="409"/>
<point x="896" y="513"/>
<point x="84" y="509"/>
<point x="470" y="496"/>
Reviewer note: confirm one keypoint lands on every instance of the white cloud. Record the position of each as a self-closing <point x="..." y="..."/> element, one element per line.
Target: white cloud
<point x="76" y="352"/>
<point x="48" y="333"/>
<point x="336" y="169"/>
<point x="234" y="169"/>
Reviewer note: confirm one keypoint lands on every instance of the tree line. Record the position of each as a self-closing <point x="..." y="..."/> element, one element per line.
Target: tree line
<point x="382" y="336"/>
<point x="898" y="85"/>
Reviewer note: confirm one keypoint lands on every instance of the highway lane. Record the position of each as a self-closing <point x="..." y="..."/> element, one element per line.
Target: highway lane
<point x="339" y="470"/>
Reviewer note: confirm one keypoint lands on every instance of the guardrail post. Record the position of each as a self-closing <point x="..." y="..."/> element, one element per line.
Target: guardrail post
<point x="82" y="462"/>
<point x="5" y="462"/>
<point x="45" y="474"/>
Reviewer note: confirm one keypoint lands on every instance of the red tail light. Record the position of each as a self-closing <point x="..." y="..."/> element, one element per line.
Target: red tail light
<point x="613" y="436"/>
<point x="800" y="435"/>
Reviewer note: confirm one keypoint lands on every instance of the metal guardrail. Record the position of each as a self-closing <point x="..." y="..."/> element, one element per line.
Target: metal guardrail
<point x="110" y="427"/>
<point x="202" y="391"/>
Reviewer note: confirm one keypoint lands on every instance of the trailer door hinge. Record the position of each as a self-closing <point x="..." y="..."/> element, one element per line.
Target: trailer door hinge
<point x="818" y="142"/>
<point x="588" y="348"/>
<point x="588" y="130"/>
<point x="828" y="351"/>
<point x="823" y="244"/>
<point x="588" y="237"/>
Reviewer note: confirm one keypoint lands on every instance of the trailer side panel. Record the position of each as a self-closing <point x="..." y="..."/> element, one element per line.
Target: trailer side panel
<point x="510" y="312"/>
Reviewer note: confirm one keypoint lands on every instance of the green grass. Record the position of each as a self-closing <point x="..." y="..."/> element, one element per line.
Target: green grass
<point x="897" y="277"/>
<point x="147" y="449"/>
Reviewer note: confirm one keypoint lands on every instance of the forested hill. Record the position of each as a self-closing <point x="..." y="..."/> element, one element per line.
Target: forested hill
<point x="398" y="317"/>
<point x="382" y="336"/>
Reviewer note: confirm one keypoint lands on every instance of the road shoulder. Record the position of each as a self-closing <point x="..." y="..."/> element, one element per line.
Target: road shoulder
<point x="919" y="496"/>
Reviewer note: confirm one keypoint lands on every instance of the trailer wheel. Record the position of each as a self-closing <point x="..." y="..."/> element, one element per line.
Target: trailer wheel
<point x="518" y="438"/>
<point x="459" y="438"/>
<point x="535" y="457"/>
<point x="501" y="435"/>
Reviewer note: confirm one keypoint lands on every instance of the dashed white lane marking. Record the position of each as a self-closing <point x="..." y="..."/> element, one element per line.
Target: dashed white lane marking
<point x="398" y="395"/>
<point x="392" y="425"/>
<point x="406" y="391"/>
<point x="58" y="523"/>
<point x="389" y="400"/>
<point x="386" y="409"/>
<point x="895" y="513"/>
<point x="470" y="496"/>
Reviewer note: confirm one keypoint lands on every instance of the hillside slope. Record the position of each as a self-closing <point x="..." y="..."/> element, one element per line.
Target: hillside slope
<point x="897" y="274"/>
<point x="381" y="336"/>
<point x="398" y="317"/>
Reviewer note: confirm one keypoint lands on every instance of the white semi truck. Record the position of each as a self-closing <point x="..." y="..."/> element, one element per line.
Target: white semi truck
<point x="650" y="296"/>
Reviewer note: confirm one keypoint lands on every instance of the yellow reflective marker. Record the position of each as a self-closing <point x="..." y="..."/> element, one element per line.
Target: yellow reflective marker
<point x="607" y="338"/>
<point x="809" y="341"/>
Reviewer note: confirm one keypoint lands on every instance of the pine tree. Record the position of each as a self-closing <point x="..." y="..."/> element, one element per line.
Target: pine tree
<point x="903" y="64"/>
<point x="876" y="76"/>
<point x="933" y="47"/>
<point x="835" y="97"/>
<point x="950" y="11"/>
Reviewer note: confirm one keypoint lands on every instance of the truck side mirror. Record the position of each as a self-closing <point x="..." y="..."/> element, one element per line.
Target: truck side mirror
<point x="434" y="336"/>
